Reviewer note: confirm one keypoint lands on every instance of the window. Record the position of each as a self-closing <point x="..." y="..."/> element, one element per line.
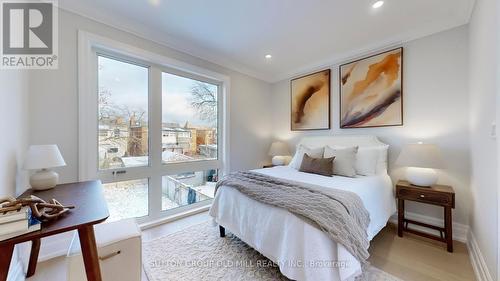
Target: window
<point x="151" y="132"/>
<point x="127" y="199"/>
<point x="189" y="119"/>
<point x="188" y="188"/>
<point x="123" y="114"/>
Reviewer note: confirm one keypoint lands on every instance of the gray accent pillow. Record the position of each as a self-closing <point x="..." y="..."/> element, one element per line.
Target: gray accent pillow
<point x="345" y="159"/>
<point x="320" y="166"/>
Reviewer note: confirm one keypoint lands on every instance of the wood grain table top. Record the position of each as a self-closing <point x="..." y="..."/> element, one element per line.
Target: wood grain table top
<point x="90" y="208"/>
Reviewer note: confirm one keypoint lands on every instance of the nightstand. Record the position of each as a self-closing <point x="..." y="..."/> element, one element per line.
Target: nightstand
<point x="438" y="195"/>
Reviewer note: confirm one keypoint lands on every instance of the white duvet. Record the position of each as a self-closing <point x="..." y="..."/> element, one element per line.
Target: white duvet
<point x="302" y="251"/>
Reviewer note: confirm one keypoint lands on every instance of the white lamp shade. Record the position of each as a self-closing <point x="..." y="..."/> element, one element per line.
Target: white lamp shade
<point x="279" y="148"/>
<point x="420" y="156"/>
<point x="43" y="157"/>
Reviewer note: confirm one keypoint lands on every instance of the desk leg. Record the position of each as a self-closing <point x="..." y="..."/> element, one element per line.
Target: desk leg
<point x="5" y="257"/>
<point x="448" y="229"/>
<point x="35" y="249"/>
<point x="401" y="216"/>
<point x="89" y="252"/>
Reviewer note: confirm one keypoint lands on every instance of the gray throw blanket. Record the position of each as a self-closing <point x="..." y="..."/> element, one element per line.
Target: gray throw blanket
<point x="340" y="214"/>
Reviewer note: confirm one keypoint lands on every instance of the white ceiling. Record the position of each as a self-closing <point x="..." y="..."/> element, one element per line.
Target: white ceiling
<point x="300" y="34"/>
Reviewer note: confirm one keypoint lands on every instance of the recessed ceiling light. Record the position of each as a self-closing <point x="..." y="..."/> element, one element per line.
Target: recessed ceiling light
<point x="378" y="4"/>
<point x="268" y="57"/>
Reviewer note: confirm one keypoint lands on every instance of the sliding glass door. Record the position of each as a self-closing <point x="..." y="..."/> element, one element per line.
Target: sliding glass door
<point x="158" y="132"/>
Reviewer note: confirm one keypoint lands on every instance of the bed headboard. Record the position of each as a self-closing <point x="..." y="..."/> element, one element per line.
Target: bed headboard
<point x="343" y="140"/>
<point x="350" y="140"/>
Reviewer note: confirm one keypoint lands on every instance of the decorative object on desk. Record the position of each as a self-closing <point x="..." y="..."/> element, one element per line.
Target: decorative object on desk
<point x="40" y="209"/>
<point x="9" y="204"/>
<point x="279" y="151"/>
<point x="42" y="158"/>
<point x="18" y="214"/>
<point x="15" y="219"/>
<point x="371" y="91"/>
<point x="310" y="96"/>
<point x="421" y="160"/>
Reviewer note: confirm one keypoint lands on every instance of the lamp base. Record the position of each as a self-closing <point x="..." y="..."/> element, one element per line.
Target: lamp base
<point x="424" y="177"/>
<point x="44" y="179"/>
<point x="279" y="160"/>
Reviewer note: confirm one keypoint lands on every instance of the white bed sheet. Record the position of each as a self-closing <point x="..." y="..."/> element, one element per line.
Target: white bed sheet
<point x="303" y="252"/>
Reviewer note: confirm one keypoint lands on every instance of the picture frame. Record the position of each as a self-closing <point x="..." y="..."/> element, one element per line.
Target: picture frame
<point x="371" y="91"/>
<point x="310" y="101"/>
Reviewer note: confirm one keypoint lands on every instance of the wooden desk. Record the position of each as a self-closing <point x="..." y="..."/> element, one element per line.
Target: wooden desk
<point x="90" y="208"/>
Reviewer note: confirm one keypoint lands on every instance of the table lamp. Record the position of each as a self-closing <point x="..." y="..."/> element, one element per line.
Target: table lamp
<point x="421" y="160"/>
<point x="42" y="158"/>
<point x="279" y="151"/>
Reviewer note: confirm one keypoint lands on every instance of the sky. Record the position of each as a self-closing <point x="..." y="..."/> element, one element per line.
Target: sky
<point x="128" y="84"/>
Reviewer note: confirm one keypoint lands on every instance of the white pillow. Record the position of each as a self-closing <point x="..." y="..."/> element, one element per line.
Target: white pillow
<point x="382" y="159"/>
<point x="366" y="161"/>
<point x="370" y="160"/>
<point x="299" y="155"/>
<point x="345" y="159"/>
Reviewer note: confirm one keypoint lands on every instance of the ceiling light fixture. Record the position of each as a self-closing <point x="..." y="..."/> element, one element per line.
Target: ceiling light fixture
<point x="268" y="57"/>
<point x="378" y="4"/>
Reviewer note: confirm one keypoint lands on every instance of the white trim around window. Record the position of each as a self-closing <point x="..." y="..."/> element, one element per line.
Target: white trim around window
<point x="89" y="45"/>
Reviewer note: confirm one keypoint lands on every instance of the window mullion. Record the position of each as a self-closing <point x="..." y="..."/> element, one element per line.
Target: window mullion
<point x="155" y="141"/>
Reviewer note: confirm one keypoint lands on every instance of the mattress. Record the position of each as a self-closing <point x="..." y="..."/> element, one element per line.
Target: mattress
<point x="302" y="251"/>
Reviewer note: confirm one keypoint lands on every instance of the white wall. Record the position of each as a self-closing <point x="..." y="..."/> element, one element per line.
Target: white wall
<point x="14" y="127"/>
<point x="484" y="73"/>
<point x="435" y="110"/>
<point x="54" y="106"/>
<point x="13" y="143"/>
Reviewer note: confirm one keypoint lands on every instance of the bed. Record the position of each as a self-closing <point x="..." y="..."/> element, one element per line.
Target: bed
<point x="302" y="251"/>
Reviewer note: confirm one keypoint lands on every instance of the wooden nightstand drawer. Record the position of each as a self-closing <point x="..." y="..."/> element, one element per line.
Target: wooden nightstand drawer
<point x="425" y="196"/>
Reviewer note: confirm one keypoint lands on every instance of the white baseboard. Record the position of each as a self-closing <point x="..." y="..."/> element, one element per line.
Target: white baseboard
<point x="477" y="259"/>
<point x="459" y="230"/>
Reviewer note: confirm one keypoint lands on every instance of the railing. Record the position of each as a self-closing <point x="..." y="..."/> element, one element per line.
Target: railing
<point x="181" y="193"/>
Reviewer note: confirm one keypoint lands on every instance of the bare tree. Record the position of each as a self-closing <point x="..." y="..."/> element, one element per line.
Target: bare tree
<point x="204" y="101"/>
<point x="110" y="114"/>
<point x="105" y="106"/>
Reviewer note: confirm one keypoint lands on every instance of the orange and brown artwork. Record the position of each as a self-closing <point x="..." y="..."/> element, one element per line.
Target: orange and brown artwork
<point x="371" y="92"/>
<point x="311" y="102"/>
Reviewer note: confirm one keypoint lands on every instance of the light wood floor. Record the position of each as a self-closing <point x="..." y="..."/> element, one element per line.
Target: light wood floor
<point x="414" y="258"/>
<point x="410" y="258"/>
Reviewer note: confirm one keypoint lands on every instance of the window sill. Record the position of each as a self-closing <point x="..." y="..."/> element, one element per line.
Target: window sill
<point x="174" y="217"/>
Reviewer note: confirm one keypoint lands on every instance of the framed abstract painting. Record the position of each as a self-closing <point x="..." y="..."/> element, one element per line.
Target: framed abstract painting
<point x="371" y="91"/>
<point x="310" y="100"/>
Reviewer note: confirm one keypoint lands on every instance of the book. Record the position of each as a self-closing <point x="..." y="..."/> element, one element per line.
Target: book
<point x="34" y="225"/>
<point x="11" y="216"/>
<point x="15" y="226"/>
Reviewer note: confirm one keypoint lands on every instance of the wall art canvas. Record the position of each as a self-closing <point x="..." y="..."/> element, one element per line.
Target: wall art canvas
<point x="371" y="91"/>
<point x="310" y="96"/>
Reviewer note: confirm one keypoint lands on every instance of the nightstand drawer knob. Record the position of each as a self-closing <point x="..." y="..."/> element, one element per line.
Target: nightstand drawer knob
<point x="422" y="196"/>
